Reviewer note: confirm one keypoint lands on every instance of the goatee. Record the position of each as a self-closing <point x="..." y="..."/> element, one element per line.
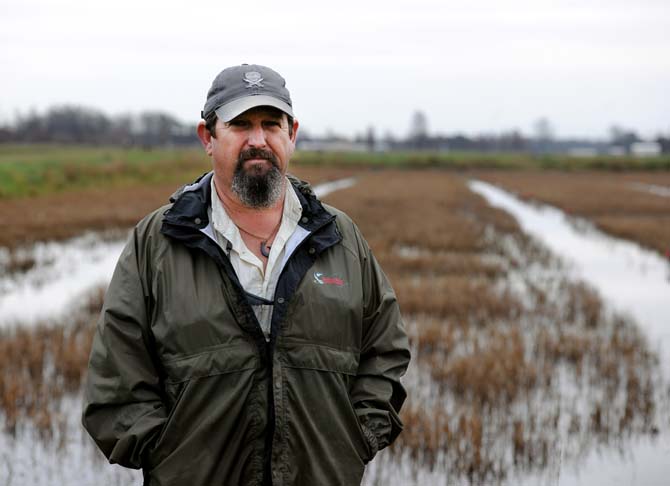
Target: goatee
<point x="257" y="187"/>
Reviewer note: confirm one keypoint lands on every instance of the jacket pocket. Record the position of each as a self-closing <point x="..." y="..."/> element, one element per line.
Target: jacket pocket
<point x="187" y="377"/>
<point x="160" y="449"/>
<point x="212" y="361"/>
<point x="320" y="408"/>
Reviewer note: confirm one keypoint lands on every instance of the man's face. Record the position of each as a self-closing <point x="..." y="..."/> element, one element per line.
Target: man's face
<point x="250" y="155"/>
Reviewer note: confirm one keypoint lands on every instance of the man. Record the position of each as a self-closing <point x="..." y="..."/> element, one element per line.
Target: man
<point x="248" y="336"/>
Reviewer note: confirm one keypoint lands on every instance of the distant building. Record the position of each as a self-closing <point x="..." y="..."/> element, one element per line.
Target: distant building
<point x="616" y="150"/>
<point x="645" y="149"/>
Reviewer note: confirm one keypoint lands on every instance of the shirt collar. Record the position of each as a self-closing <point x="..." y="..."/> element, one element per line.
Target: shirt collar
<point x="227" y="229"/>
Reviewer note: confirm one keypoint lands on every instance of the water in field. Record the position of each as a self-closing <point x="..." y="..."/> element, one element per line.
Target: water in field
<point x="28" y="459"/>
<point x="631" y="280"/>
<point x="663" y="191"/>
<point x="61" y="273"/>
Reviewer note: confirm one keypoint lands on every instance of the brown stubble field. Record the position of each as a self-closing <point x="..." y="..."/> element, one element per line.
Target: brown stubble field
<point x="614" y="201"/>
<point x="512" y="362"/>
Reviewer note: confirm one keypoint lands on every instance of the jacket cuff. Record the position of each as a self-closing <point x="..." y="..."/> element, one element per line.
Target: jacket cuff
<point x="379" y="423"/>
<point x="373" y="444"/>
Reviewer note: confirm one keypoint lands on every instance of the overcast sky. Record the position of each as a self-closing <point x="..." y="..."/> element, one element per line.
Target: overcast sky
<point x="474" y="66"/>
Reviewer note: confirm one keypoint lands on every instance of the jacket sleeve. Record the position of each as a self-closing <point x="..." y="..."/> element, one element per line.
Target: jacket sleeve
<point x="123" y="410"/>
<point x="377" y="393"/>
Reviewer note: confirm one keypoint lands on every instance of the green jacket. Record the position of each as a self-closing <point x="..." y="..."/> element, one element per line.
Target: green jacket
<point x="183" y="384"/>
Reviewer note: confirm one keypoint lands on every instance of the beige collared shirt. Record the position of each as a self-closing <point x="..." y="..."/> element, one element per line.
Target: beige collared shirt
<point x="248" y="267"/>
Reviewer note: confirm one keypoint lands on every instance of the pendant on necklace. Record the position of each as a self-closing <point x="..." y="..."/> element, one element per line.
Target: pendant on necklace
<point x="265" y="250"/>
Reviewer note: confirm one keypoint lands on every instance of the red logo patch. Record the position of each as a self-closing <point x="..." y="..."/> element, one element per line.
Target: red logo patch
<point x="322" y="280"/>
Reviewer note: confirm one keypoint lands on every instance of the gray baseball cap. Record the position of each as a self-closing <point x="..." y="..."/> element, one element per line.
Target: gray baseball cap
<point x="239" y="88"/>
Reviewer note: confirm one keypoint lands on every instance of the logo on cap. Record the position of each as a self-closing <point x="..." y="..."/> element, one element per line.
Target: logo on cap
<point x="253" y="79"/>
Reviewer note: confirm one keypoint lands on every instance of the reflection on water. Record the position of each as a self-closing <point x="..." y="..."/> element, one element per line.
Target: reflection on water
<point x="326" y="188"/>
<point x="41" y="371"/>
<point x="27" y="459"/>
<point x="60" y="274"/>
<point x="634" y="281"/>
<point x="527" y="394"/>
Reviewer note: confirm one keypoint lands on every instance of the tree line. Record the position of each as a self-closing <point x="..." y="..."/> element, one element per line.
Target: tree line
<point x="70" y="124"/>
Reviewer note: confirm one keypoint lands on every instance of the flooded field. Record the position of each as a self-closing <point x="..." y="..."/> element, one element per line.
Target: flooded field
<point x="526" y="369"/>
<point x="632" y="205"/>
<point x="633" y="281"/>
<point x="522" y="371"/>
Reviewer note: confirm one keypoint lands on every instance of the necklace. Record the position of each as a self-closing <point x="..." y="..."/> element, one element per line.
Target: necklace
<point x="265" y="250"/>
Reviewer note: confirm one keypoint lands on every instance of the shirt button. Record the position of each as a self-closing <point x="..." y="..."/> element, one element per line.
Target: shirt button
<point x="312" y="251"/>
<point x="197" y="221"/>
<point x="280" y="300"/>
<point x="305" y="219"/>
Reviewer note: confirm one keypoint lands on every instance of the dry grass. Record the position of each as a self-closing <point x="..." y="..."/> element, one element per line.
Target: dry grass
<point x="18" y="262"/>
<point x="427" y="264"/>
<point x="611" y="200"/>
<point x="467" y="300"/>
<point x="495" y="372"/>
<point x="430" y="210"/>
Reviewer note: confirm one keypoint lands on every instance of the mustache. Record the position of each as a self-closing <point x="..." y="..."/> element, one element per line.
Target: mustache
<point x="257" y="153"/>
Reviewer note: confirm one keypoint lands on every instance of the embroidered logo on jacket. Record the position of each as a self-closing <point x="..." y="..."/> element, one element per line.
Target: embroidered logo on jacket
<point x="321" y="279"/>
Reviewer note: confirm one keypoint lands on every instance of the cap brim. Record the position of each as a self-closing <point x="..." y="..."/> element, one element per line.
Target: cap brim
<point x="230" y="110"/>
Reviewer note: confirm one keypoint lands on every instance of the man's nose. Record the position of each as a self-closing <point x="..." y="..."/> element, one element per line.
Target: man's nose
<point x="257" y="136"/>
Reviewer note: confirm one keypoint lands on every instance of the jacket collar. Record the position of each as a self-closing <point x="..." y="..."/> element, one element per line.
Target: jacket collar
<point x="191" y="202"/>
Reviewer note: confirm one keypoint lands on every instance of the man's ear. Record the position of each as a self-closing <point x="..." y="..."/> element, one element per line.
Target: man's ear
<point x="295" y="130"/>
<point x="204" y="136"/>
